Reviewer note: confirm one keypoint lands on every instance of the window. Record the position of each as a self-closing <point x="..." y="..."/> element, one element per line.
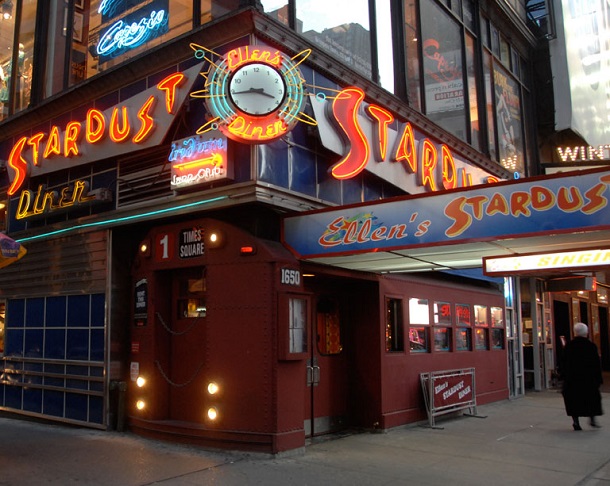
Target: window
<point x="394" y="340"/>
<point x="191" y="296"/>
<point x="2" y="317"/>
<point x="463" y="340"/>
<point x="297" y="326"/>
<point x="481" y="332"/>
<point x="443" y="70"/>
<point x="442" y="326"/>
<point x="419" y="320"/>
<point x="341" y="28"/>
<point x="497" y="331"/>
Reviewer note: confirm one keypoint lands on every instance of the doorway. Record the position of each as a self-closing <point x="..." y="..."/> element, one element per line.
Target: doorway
<point x="326" y="391"/>
<point x="180" y="334"/>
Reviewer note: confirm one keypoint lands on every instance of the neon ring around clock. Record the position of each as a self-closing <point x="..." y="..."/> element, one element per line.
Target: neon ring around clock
<point x="266" y="108"/>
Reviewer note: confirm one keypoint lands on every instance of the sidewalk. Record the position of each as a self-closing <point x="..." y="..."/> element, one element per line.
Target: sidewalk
<point x="529" y="440"/>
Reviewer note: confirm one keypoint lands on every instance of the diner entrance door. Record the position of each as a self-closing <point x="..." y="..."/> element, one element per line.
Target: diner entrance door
<point x="326" y="391"/>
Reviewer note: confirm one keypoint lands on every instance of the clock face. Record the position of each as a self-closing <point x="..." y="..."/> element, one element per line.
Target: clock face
<point x="257" y="89"/>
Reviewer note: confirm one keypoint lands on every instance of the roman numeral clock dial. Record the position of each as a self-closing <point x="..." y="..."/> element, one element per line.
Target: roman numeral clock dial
<point x="257" y="89"/>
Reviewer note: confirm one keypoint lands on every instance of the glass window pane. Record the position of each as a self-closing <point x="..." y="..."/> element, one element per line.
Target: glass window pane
<point x="394" y="325"/>
<point x="418" y="339"/>
<point x="480" y="315"/>
<point x="6" y="62"/>
<point x="25" y="55"/>
<point x="278" y="9"/>
<point x="473" y="94"/>
<point x="442" y="339"/>
<point x="462" y="342"/>
<point x="212" y="9"/>
<point x="412" y="48"/>
<point x="385" y="50"/>
<point x="480" y="338"/>
<point x="442" y="313"/>
<point x="496" y="317"/>
<point x="297" y="326"/>
<point x="340" y="28"/>
<point x="491" y="133"/>
<point x="497" y="338"/>
<point x="509" y="120"/>
<point x="462" y="311"/>
<point x="443" y="75"/>
<point x="419" y="311"/>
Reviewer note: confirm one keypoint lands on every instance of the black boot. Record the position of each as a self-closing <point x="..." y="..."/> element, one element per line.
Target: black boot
<point x="576" y="423"/>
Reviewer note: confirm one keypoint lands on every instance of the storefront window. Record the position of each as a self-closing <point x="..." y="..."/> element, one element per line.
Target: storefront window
<point x="394" y="334"/>
<point x="443" y="71"/>
<point x="464" y="333"/>
<point x="442" y="326"/>
<point x="8" y="21"/>
<point x="473" y="94"/>
<point x="2" y="316"/>
<point x="341" y="28"/>
<point x="419" y="319"/>
<point x="481" y="322"/>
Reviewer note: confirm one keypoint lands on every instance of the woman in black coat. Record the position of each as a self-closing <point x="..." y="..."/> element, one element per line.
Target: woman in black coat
<point x="582" y="377"/>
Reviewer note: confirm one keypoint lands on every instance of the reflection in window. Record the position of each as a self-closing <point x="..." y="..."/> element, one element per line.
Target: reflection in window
<point x="442" y="338"/>
<point x="191" y="296"/>
<point x="442" y="313"/>
<point x="496" y="317"/>
<point x="341" y="28"/>
<point x="462" y="312"/>
<point x="443" y="74"/>
<point x="297" y="325"/>
<point x="497" y="338"/>
<point x="480" y="338"/>
<point x="480" y="315"/>
<point x="394" y="325"/>
<point x="462" y="339"/>
<point x="412" y="48"/>
<point x="418" y="339"/>
<point x="419" y="311"/>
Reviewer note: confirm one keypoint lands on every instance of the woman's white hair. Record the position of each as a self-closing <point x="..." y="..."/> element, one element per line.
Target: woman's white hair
<point x="581" y="330"/>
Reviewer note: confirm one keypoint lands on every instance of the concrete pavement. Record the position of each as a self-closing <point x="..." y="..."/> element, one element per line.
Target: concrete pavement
<point x="524" y="441"/>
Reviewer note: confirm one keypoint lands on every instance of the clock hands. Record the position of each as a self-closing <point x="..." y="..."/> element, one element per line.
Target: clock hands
<point x="255" y="91"/>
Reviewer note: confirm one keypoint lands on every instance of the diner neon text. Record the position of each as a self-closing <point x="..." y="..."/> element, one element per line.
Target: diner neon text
<point x="96" y="127"/>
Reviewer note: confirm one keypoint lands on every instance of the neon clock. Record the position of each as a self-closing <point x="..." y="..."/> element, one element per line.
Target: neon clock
<point x="254" y="94"/>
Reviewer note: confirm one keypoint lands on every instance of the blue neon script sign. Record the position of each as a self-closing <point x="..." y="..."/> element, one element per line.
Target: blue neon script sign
<point x="133" y="30"/>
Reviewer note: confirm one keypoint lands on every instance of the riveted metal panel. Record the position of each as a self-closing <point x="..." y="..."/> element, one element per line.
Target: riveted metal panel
<point x="69" y="265"/>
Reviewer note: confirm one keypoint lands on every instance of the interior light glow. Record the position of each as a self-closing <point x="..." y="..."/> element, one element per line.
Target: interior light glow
<point x="213" y="388"/>
<point x="140" y="381"/>
<point x="212" y="413"/>
<point x="123" y="219"/>
<point x="140" y="404"/>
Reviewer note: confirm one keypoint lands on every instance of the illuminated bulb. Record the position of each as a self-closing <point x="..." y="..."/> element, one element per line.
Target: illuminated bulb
<point x="213" y="237"/>
<point x="140" y="404"/>
<point x="141" y="381"/>
<point x="212" y="413"/>
<point x="212" y="388"/>
<point x="143" y="248"/>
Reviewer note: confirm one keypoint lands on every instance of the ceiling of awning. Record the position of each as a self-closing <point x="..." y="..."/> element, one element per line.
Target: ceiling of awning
<point x="467" y="255"/>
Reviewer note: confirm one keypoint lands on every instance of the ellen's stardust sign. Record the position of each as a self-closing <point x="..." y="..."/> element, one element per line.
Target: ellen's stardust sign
<point x="537" y="206"/>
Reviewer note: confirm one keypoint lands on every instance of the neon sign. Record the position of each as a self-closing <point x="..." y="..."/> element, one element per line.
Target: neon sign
<point x="546" y="261"/>
<point x="133" y="30"/>
<point x="235" y="111"/>
<point x="42" y="201"/>
<point x="106" y="130"/>
<point x="433" y="165"/>
<point x="197" y="160"/>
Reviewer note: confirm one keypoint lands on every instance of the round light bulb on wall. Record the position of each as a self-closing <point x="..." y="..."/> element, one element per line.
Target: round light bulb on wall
<point x="140" y="404"/>
<point x="212" y="413"/>
<point x="140" y="381"/>
<point x="213" y="388"/>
